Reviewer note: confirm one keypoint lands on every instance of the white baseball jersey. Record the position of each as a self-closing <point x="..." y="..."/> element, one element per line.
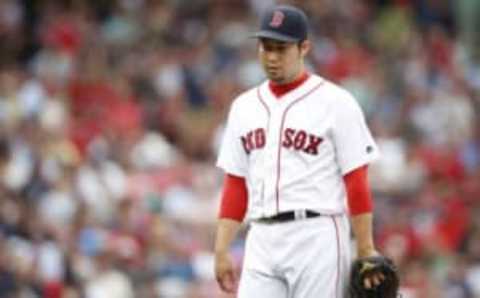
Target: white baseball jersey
<point x="294" y="151"/>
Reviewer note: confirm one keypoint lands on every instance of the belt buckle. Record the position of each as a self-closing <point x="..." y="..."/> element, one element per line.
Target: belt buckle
<point x="300" y="214"/>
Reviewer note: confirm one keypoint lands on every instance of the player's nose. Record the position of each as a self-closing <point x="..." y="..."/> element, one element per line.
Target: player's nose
<point x="272" y="56"/>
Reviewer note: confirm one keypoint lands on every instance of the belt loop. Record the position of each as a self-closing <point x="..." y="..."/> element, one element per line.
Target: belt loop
<point x="300" y="214"/>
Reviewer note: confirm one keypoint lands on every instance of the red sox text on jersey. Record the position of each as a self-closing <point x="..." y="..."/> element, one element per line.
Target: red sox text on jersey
<point x="297" y="139"/>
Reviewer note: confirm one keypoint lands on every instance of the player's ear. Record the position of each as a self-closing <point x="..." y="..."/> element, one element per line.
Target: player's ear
<point x="305" y="46"/>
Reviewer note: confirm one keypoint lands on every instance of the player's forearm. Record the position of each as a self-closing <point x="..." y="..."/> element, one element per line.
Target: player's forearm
<point x="362" y="230"/>
<point x="227" y="230"/>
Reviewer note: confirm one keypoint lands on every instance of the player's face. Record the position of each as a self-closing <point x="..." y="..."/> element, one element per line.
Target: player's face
<point x="282" y="61"/>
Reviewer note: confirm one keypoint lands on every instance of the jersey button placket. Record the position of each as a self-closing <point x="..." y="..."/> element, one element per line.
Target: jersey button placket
<point x="276" y="135"/>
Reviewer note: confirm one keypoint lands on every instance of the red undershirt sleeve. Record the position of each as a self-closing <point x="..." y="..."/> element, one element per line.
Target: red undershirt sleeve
<point x="359" y="197"/>
<point x="234" y="198"/>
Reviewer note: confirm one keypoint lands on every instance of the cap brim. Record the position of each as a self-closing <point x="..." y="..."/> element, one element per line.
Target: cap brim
<point x="275" y="36"/>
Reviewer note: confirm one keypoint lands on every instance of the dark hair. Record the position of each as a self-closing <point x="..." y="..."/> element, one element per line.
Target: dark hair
<point x="300" y="42"/>
<point x="4" y="150"/>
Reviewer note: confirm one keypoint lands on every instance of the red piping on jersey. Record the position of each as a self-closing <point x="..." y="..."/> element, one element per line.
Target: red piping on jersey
<point x="259" y="95"/>
<point x="277" y="190"/>
<point x="337" y="278"/>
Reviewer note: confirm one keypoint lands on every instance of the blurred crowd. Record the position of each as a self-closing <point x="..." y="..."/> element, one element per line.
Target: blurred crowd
<point x="111" y="113"/>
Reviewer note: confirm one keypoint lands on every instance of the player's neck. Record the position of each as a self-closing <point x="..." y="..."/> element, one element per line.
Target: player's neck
<point x="280" y="89"/>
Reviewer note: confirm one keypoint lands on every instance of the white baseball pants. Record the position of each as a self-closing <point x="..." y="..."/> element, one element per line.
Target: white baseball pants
<point x="307" y="258"/>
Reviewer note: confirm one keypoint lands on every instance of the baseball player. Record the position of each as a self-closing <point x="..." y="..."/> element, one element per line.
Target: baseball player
<point x="295" y="153"/>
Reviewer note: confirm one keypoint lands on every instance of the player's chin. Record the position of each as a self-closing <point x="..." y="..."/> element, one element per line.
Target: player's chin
<point x="275" y="77"/>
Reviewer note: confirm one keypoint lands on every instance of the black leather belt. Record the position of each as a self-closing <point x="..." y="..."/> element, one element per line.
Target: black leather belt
<point x="289" y="216"/>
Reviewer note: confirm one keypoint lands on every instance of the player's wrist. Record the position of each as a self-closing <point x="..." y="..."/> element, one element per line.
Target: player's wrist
<point x="221" y="248"/>
<point x="368" y="251"/>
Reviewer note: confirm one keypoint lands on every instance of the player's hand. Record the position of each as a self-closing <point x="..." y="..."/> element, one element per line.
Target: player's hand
<point x="225" y="272"/>
<point x="375" y="279"/>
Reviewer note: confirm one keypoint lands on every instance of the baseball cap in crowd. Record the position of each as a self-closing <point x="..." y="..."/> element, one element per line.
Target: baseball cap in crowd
<point x="283" y="23"/>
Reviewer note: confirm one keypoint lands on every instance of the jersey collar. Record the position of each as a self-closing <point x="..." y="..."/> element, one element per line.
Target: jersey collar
<point x="269" y="98"/>
<point x="281" y="89"/>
